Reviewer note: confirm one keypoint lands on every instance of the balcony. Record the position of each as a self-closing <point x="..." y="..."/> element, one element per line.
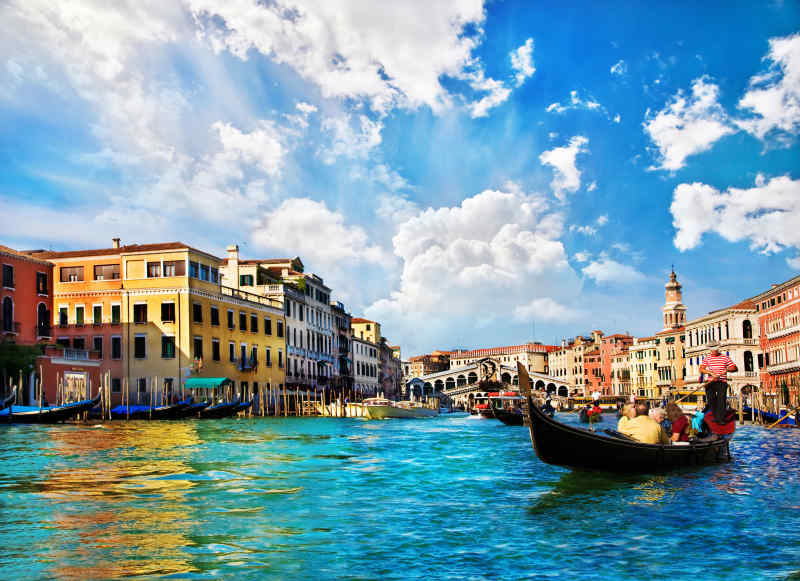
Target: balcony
<point x="783" y="332"/>
<point x="249" y="297"/>
<point x="784" y="367"/>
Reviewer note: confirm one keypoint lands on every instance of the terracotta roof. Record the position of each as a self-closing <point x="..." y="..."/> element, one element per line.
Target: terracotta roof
<point x="22" y="255"/>
<point x="670" y="331"/>
<point x="225" y="261"/>
<point x="745" y="304"/>
<point x="360" y="320"/>
<point x="127" y="249"/>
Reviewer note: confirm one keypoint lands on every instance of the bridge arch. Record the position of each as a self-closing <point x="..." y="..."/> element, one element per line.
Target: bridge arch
<point x="505" y="377"/>
<point x="438" y="385"/>
<point x="472" y="377"/>
<point x="427" y="388"/>
<point x="461" y="380"/>
<point x="450" y="383"/>
<point x="563" y="391"/>
<point x="540" y="385"/>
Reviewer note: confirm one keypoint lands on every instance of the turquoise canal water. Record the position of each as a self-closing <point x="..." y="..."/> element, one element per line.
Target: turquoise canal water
<point x="319" y="498"/>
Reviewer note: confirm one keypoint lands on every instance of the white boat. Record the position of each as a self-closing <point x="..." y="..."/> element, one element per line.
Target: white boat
<point x="379" y="408"/>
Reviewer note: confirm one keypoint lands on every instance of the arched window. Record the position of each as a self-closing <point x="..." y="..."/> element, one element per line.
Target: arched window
<point x="747" y="329"/>
<point x="461" y="380"/>
<point x="472" y="378"/>
<point x="450" y="383"/>
<point x="748" y="361"/>
<point x="438" y="384"/>
<point x="8" y="314"/>
<point x="506" y="378"/>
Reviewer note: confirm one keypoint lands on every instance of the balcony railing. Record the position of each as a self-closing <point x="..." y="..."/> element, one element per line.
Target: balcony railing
<point x="784" y="367"/>
<point x="784" y="331"/>
<point x="249" y="297"/>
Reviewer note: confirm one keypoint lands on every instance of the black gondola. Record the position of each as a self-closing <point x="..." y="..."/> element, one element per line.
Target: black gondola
<point x="47" y="415"/>
<point x="221" y="410"/>
<point x="557" y="443"/>
<point x="509" y="418"/>
<point x="583" y="416"/>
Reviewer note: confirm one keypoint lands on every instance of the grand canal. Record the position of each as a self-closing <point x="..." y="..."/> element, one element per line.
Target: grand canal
<point x="319" y="498"/>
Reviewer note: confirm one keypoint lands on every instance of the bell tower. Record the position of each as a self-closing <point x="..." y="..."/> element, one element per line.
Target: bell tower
<point x="674" y="310"/>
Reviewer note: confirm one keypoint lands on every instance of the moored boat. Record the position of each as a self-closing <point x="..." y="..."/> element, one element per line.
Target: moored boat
<point x="47" y="414"/>
<point x="583" y="416"/>
<point x="9" y="400"/>
<point x="380" y="408"/>
<point x="221" y="410"/>
<point x="509" y="417"/>
<point x="564" y="445"/>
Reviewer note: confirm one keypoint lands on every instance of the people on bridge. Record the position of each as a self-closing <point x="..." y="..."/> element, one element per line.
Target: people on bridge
<point x="643" y="428"/>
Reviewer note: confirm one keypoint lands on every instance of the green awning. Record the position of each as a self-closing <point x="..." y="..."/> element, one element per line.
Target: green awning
<point x="206" y="382"/>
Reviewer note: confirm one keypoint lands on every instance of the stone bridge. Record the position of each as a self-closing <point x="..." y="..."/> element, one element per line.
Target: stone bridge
<point x="461" y="383"/>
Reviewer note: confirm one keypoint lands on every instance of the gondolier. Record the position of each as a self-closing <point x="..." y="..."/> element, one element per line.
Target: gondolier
<point x="717" y="366"/>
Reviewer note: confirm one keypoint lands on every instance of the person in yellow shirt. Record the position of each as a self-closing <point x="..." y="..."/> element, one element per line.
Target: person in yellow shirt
<point x="643" y="428"/>
<point x="628" y="413"/>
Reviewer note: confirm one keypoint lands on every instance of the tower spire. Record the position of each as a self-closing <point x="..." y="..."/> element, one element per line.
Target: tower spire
<point x="674" y="310"/>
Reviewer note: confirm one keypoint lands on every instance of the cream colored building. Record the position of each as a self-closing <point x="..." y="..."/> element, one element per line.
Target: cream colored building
<point x="644" y="360"/>
<point x="366" y="363"/>
<point x="532" y="355"/>
<point x="737" y="331"/>
<point x="621" y="372"/>
<point x="567" y="362"/>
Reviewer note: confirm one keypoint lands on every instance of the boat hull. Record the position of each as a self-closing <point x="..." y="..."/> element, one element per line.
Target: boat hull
<point x="48" y="415"/>
<point x="509" y="418"/>
<point x="221" y="410"/>
<point x="382" y="412"/>
<point x="564" y="445"/>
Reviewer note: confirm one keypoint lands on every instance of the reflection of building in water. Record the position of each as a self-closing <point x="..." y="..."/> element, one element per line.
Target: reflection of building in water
<point x="135" y="512"/>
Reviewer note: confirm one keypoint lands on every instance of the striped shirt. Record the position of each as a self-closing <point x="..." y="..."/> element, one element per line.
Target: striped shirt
<point x="718" y="365"/>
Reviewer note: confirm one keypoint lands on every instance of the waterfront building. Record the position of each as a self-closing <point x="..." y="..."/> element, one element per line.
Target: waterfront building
<point x="390" y="374"/>
<point x="621" y="370"/>
<point x="532" y="355"/>
<point x="305" y="300"/>
<point x="429" y="363"/>
<point x="154" y="315"/>
<point x="366" y="330"/>
<point x="567" y="362"/>
<point x="736" y="329"/>
<point x="644" y="367"/>
<point x="779" y="326"/>
<point x="26" y="296"/>
<point x="366" y="365"/>
<point x="342" y="346"/>
<point x="593" y="371"/>
<point x="612" y="348"/>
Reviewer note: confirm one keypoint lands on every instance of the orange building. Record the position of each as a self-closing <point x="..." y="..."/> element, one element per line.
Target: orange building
<point x="779" y="318"/>
<point x="26" y="297"/>
<point x="611" y="346"/>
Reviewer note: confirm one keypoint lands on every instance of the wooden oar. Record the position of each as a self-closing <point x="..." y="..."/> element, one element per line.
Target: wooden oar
<point x="699" y="389"/>
<point x="773" y="424"/>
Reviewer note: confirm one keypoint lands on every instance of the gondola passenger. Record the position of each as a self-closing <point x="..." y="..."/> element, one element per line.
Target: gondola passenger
<point x="628" y="413"/>
<point x="643" y="428"/>
<point x="680" y="423"/>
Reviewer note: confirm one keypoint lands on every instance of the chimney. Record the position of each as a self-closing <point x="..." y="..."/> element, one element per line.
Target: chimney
<point x="233" y="252"/>
<point x="115" y="243"/>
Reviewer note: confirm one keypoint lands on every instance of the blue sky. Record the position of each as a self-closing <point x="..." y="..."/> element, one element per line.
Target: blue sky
<point x="467" y="173"/>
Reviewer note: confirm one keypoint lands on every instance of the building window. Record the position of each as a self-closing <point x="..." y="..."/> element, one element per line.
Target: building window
<point x="280" y="358"/>
<point x="116" y="347"/>
<point x="302" y="308"/>
<point x="245" y="280"/>
<point x="203" y="272"/>
<point x="747" y="330"/>
<point x="140" y="314"/>
<point x="232" y="351"/>
<point x="215" y="349"/>
<point x="167" y="312"/>
<point x="197" y="312"/>
<point x="230" y="320"/>
<point x="79" y="343"/>
<point x="748" y="361"/>
<point x="198" y="348"/>
<point x="269" y="357"/>
<point x="8" y="276"/>
<point x="280" y="329"/>
<point x="140" y="347"/>
<point x="41" y="283"/>
<point x="242" y="321"/>
<point x="63" y="319"/>
<point x="214" y="275"/>
<point x="116" y="385"/>
<point x="254" y="323"/>
<point x="267" y="326"/>
<point x="63" y="342"/>
<point x="153" y="270"/>
<point x="79" y="316"/>
<point x="194" y="269"/>
<point x="97" y="315"/>
<point x="167" y="347"/>
<point x="105" y="271"/>
<point x="174" y="268"/>
<point x="97" y="345"/>
<point x="69" y="274"/>
<point x="141" y="385"/>
<point x="116" y="316"/>
<point x="215" y="316"/>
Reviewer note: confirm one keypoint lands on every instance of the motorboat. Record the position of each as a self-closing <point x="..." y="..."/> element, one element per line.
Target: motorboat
<point x="378" y="408"/>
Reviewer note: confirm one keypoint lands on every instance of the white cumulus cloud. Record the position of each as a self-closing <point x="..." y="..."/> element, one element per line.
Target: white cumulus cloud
<point x="773" y="98"/>
<point x="608" y="271"/>
<point x="567" y="177"/>
<point x="546" y="309"/>
<point x="688" y="125"/>
<point x="522" y="62"/>
<point x="767" y="214"/>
